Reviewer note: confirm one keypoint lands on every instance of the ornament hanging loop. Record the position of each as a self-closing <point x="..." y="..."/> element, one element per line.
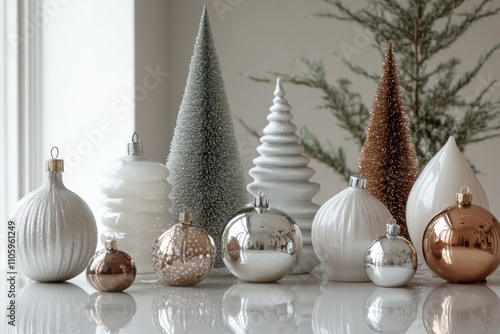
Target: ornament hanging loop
<point x="135" y="146"/>
<point x="464" y="199"/>
<point x="54" y="164"/>
<point x="52" y="152"/>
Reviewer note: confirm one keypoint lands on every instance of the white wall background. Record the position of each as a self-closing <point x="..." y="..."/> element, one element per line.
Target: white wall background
<point x="256" y="36"/>
<point x="87" y="90"/>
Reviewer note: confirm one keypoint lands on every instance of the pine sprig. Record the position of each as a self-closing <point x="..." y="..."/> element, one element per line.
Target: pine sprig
<point x="431" y="87"/>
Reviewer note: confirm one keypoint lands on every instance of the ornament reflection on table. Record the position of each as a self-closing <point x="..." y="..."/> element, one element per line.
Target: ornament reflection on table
<point x="52" y="308"/>
<point x="137" y="204"/>
<point x="341" y="308"/>
<point x="461" y="309"/>
<point x="391" y="260"/>
<point x="112" y="311"/>
<point x="184" y="254"/>
<point x="56" y="230"/>
<point x="183" y="310"/>
<point x="391" y="310"/>
<point x="261" y="244"/>
<point x="111" y="269"/>
<point x="462" y="242"/>
<point x="261" y="308"/>
<point x="344" y="227"/>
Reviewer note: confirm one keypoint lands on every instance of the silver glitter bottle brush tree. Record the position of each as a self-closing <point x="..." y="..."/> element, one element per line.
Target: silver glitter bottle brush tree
<point x="56" y="230"/>
<point x="205" y="170"/>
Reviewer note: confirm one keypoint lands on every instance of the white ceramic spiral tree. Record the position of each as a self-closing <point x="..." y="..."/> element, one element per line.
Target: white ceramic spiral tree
<point x="282" y="172"/>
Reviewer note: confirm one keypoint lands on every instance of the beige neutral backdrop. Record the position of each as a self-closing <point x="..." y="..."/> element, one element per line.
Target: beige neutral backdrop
<point x="256" y="36"/>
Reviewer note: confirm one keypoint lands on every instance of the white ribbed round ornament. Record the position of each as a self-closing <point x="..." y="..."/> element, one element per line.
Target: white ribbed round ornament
<point x="343" y="229"/>
<point x="56" y="230"/>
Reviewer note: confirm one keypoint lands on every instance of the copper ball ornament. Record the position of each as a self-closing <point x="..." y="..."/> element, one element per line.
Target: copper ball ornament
<point x="183" y="254"/>
<point x="110" y="269"/>
<point x="259" y="244"/>
<point x="461" y="244"/>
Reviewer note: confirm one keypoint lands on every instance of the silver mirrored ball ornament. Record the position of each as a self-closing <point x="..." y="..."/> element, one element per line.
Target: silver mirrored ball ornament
<point x="261" y="244"/>
<point x="391" y="260"/>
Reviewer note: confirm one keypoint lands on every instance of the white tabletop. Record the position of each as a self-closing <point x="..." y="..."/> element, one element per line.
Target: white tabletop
<point x="296" y="304"/>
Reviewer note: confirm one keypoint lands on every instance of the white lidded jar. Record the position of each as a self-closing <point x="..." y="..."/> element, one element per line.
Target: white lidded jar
<point x="343" y="229"/>
<point x="137" y="205"/>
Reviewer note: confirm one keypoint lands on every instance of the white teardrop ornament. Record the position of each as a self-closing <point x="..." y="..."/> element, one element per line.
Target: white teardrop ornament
<point x="434" y="190"/>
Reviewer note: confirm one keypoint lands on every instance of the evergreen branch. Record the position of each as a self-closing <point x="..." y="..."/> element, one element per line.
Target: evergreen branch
<point x="469" y="75"/>
<point x="452" y="32"/>
<point x="361" y="71"/>
<point x="395" y="8"/>
<point x="330" y="157"/>
<point x="366" y="18"/>
<point x="346" y="106"/>
<point x="443" y="66"/>
<point x="257" y="78"/>
<point x="483" y="138"/>
<point x="435" y="108"/>
<point x="250" y="130"/>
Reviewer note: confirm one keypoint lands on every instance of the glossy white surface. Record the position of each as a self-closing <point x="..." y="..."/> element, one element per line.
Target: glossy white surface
<point x="297" y="304"/>
<point x="436" y="187"/>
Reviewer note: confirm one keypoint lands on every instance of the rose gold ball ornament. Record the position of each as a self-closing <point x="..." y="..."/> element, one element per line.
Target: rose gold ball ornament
<point x="110" y="269"/>
<point x="184" y="254"/>
<point x="461" y="244"/>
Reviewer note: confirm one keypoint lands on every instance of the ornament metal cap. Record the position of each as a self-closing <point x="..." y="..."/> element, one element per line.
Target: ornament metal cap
<point x="185" y="218"/>
<point x="463" y="199"/>
<point x="111" y="244"/>
<point x="135" y="147"/>
<point x="357" y="181"/>
<point x="54" y="164"/>
<point x="392" y="228"/>
<point x="261" y="202"/>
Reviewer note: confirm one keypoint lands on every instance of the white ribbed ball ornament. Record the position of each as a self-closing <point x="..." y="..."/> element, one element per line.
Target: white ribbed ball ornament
<point x="343" y="229"/>
<point x="56" y="230"/>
